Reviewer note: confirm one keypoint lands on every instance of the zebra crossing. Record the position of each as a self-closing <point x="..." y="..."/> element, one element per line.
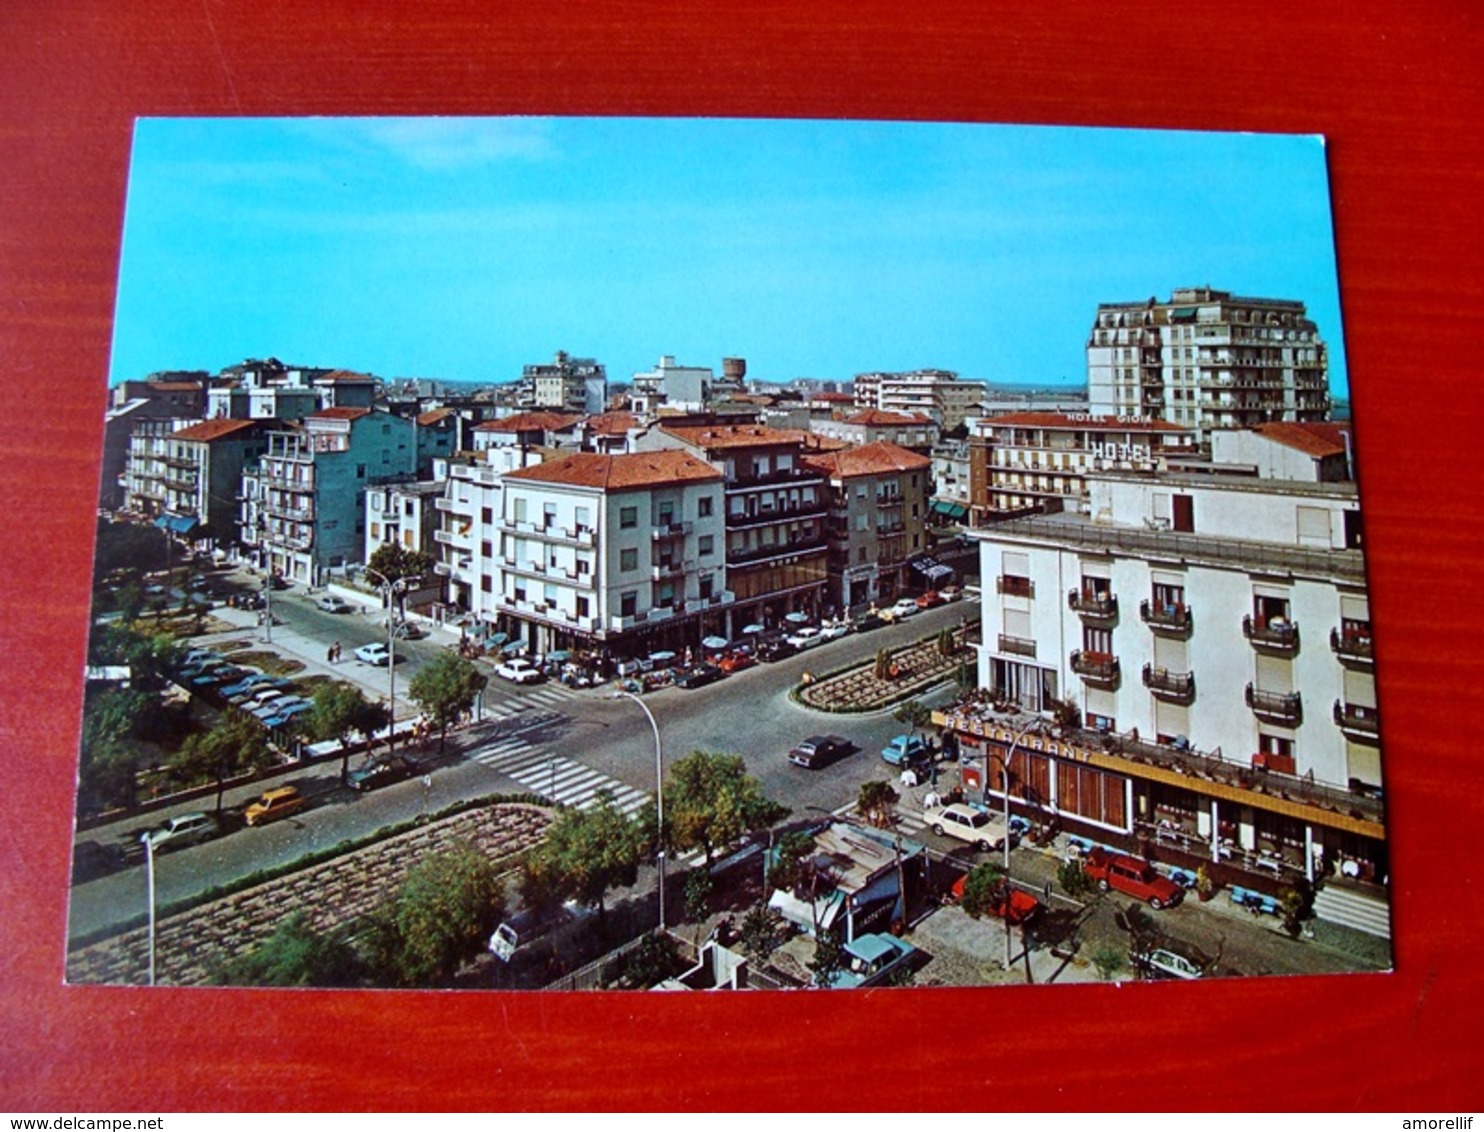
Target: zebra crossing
<point x="555" y="776"/>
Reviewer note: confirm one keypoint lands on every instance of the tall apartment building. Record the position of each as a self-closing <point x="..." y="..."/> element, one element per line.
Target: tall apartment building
<point x="303" y="505"/>
<point x="148" y="476"/>
<point x="679" y="387"/>
<point x="1024" y="462"/>
<point x="1207" y="359"/>
<point x="776" y="513"/>
<point x="565" y="385"/>
<point x="1214" y="634"/>
<point x="203" y="466"/>
<point x="877" y="520"/>
<point x="937" y="394"/>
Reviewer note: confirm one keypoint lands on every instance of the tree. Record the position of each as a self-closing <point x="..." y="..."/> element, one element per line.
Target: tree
<point x="829" y="956"/>
<point x="1108" y="961"/>
<point x="237" y="744"/>
<point x="698" y="888"/>
<point x="132" y="547"/>
<point x="758" y="936"/>
<point x="339" y="710"/>
<point x="583" y="855"/>
<point x="441" y="917"/>
<point x="445" y="689"/>
<point x="393" y="561"/>
<point x="655" y="959"/>
<point x="295" y="955"/>
<point x="946" y="646"/>
<point x="877" y="804"/>
<point x="983" y="888"/>
<point x="790" y="868"/>
<point x="711" y="801"/>
<point x="914" y="713"/>
<point x="1073" y="879"/>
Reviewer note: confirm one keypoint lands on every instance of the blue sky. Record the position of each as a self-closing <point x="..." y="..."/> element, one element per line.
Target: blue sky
<point x="464" y="249"/>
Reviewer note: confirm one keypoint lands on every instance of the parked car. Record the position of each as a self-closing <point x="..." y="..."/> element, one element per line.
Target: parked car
<point x="258" y="681"/>
<point x="805" y="638"/>
<point x="1022" y="906"/>
<point x="281" y="802"/>
<point x="519" y="670"/>
<point x="286" y="714"/>
<point x="905" y="750"/>
<point x="409" y="631"/>
<point x="374" y="653"/>
<point x="778" y="648"/>
<point x="982" y="830"/>
<point x="1132" y="877"/>
<point x="834" y="629"/>
<point x="867" y="621"/>
<point x="736" y="662"/>
<point x="220" y="674"/>
<point x="330" y="603"/>
<point x="819" y="751"/>
<point x="950" y="593"/>
<point x="181" y="830"/>
<point x="873" y="959"/>
<point x="699" y="676"/>
<point x="906" y="607"/>
<point x="930" y="599"/>
<point x="383" y="772"/>
<point x="1162" y="963"/>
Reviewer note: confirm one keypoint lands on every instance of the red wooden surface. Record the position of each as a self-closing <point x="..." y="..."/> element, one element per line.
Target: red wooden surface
<point x="1396" y="88"/>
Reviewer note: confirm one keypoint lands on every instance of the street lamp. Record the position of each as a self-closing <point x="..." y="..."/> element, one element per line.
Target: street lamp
<point x="149" y="872"/>
<point x="1004" y="761"/>
<point x="390" y="588"/>
<point x="659" y="794"/>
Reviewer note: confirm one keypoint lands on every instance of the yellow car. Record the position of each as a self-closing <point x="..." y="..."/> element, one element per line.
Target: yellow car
<point x="274" y="804"/>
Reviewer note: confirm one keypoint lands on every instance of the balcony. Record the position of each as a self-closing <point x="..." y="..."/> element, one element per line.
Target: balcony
<point x="1352" y="647"/>
<point x="453" y="538"/>
<point x="674" y="569"/>
<point x="1173" y="619"/>
<point x="455" y="506"/>
<point x="761" y="517"/>
<point x="1357" y="720"/>
<point x="1178" y="687"/>
<point x="670" y="530"/>
<point x="1017" y="646"/>
<point x="302" y="512"/>
<point x="1284" y="708"/>
<point x="576" y="536"/>
<point x="1093" y="606"/>
<point x="1097" y="667"/>
<point x="768" y="553"/>
<point x="1276" y="635"/>
<point x="1013" y="586"/>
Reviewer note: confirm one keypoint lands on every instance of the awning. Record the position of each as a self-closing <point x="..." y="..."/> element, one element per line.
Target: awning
<point x="931" y="569"/>
<point x="948" y="509"/>
<point x="826" y="909"/>
<point x="180" y="524"/>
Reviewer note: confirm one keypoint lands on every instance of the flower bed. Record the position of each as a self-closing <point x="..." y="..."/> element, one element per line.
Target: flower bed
<point x="858" y="689"/>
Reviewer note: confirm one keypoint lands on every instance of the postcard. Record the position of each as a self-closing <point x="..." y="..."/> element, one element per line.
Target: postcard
<point x="688" y="554"/>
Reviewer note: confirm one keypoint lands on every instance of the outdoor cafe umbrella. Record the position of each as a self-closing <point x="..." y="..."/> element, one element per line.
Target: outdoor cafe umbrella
<point x="661" y="656"/>
<point x="713" y="643"/>
<point x="754" y="628"/>
<point x="796" y="618"/>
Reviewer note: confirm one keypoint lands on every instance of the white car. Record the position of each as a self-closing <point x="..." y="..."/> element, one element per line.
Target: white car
<point x="832" y="630"/>
<point x="1161" y="963"/>
<point x="806" y="638"/>
<point x="982" y="830"/>
<point x="519" y="670"/>
<point x="907" y="607"/>
<point x="374" y="653"/>
<point x="332" y="604"/>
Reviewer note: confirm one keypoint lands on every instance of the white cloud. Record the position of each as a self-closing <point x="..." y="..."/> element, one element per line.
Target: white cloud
<point x="454" y="143"/>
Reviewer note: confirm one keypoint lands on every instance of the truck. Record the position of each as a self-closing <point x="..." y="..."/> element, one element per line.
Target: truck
<point x="1132" y="877"/>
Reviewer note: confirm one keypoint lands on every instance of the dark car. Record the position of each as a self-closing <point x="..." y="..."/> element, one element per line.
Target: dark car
<point x="700" y="676"/>
<point x="866" y="622"/>
<point x="819" y="751"/>
<point x="92" y="859"/>
<point x="776" y="648"/>
<point x="383" y="772"/>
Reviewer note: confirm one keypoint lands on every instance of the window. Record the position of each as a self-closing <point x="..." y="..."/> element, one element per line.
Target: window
<point x="628" y="604"/>
<point x="667" y="513"/>
<point x="484" y="583"/>
<point x="360" y="471"/>
<point x="549" y="593"/>
<point x="628" y="559"/>
<point x="705" y="545"/>
<point x="706" y="584"/>
<point x="628" y="518"/>
<point x="583" y="605"/>
<point x="486" y="548"/>
<point x="548" y="516"/>
<point x="520" y="510"/>
<point x="704" y="505"/>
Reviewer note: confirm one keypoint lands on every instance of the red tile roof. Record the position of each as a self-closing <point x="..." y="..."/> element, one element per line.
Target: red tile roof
<point x="712" y="437"/>
<point x="433" y="416"/>
<point x="622" y="471"/>
<point x="1316" y="438"/>
<point x="880" y="458"/>
<point x="174" y="386"/>
<point x="214" y="429"/>
<point x="834" y="398"/>
<point x="884" y="417"/>
<point x="347" y="376"/>
<point x="1084" y="423"/>
<point x="530" y="422"/>
<point x="612" y="424"/>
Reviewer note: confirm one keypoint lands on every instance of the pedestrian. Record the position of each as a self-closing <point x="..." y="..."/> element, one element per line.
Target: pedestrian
<point x="336" y="657"/>
<point x="330" y="655"/>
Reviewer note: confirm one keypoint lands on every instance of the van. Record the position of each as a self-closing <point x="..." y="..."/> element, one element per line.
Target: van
<point x="543" y="930"/>
<point x="274" y="804"/>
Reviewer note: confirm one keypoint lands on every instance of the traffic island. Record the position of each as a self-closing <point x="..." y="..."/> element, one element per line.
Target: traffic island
<point x="893" y="676"/>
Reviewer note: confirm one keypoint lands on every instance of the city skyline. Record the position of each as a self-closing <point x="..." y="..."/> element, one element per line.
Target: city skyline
<point x="464" y="249"/>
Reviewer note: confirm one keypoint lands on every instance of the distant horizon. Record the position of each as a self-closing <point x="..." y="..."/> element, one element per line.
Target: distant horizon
<point x="461" y="250"/>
